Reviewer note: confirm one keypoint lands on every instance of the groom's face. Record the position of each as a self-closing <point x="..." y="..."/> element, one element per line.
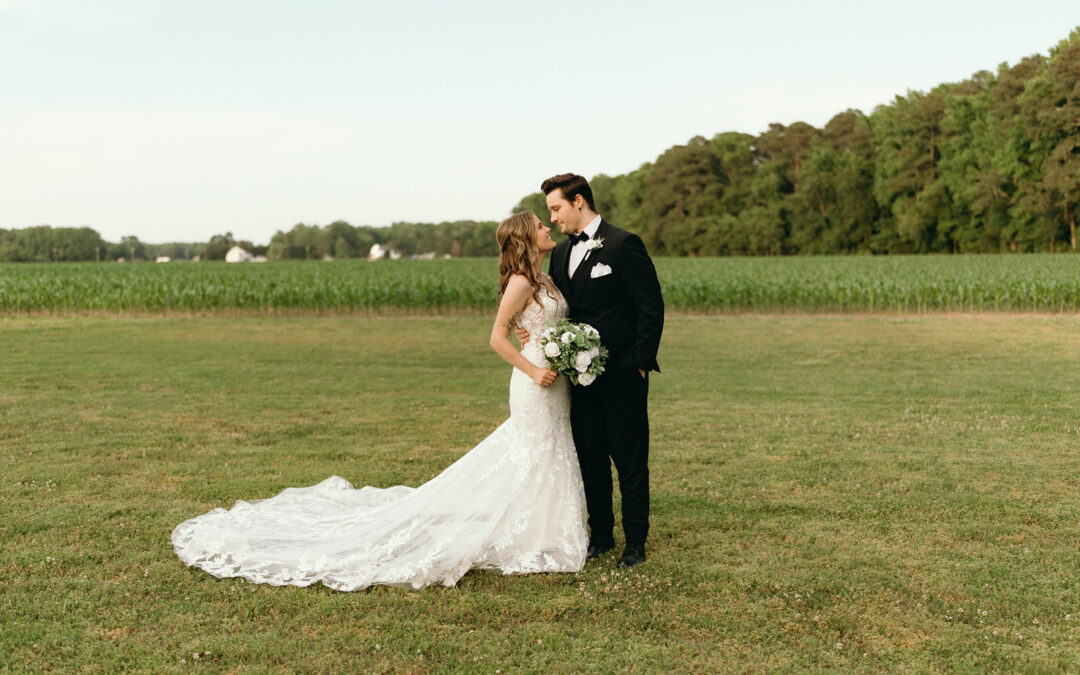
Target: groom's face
<point x="564" y="214"/>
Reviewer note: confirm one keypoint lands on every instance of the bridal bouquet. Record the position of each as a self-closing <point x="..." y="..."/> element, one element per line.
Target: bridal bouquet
<point x="574" y="350"/>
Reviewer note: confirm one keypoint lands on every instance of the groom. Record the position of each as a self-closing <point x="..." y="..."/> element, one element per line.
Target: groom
<point x="610" y="282"/>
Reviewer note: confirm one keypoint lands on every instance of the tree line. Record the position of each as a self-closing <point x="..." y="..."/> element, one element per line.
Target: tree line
<point x="463" y="238"/>
<point x="82" y="244"/>
<point x="991" y="163"/>
<point x="303" y="242"/>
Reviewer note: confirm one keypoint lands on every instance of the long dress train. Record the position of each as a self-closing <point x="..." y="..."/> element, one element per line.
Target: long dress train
<point x="514" y="503"/>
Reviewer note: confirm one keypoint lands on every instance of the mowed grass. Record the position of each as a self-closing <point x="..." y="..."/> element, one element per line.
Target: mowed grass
<point x="857" y="493"/>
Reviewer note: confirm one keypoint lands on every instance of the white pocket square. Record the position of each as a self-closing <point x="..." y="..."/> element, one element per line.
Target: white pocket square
<point x="599" y="270"/>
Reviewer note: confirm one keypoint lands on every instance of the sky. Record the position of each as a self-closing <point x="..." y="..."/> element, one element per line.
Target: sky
<point x="177" y="120"/>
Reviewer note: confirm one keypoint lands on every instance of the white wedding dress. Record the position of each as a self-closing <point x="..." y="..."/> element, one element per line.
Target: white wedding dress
<point x="514" y="503"/>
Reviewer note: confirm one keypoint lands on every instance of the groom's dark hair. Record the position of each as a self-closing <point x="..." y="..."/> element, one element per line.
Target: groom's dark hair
<point x="571" y="185"/>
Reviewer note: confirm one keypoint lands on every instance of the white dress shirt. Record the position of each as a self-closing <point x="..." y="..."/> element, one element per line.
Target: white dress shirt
<point x="577" y="253"/>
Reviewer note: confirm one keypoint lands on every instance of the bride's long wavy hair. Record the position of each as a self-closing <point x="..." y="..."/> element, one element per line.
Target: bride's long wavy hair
<point x="517" y="251"/>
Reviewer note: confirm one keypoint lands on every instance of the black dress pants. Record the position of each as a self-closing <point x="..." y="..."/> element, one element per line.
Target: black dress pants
<point x="610" y="423"/>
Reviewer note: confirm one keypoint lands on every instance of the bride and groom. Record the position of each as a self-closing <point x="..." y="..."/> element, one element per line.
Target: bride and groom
<point x="516" y="502"/>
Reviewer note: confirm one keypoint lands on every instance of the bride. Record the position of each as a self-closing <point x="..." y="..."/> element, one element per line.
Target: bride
<point x="514" y="503"/>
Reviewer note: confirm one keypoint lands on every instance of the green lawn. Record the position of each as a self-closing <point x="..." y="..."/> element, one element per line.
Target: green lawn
<point x="863" y="493"/>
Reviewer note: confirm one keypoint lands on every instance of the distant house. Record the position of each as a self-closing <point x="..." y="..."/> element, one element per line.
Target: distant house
<point x="162" y="258"/>
<point x="237" y="254"/>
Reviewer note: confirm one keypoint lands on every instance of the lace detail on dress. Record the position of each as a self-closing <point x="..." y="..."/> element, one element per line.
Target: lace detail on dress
<point x="535" y="318"/>
<point x="514" y="503"/>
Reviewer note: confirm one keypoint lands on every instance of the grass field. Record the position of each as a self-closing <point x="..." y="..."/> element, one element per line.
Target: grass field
<point x="863" y="493"/>
<point x="897" y="284"/>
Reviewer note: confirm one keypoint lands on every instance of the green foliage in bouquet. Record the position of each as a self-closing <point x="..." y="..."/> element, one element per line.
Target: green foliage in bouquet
<point x="574" y="350"/>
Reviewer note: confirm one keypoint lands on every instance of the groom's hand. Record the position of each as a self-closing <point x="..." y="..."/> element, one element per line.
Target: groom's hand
<point x="642" y="373"/>
<point x="522" y="335"/>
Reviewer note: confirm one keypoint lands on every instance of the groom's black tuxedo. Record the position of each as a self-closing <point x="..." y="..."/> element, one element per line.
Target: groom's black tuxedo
<point x="615" y="290"/>
<point x="625" y="306"/>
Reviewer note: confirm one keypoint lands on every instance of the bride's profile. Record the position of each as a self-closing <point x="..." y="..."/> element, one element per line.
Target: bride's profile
<point x="514" y="503"/>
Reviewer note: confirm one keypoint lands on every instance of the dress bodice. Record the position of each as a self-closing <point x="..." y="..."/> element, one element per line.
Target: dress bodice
<point x="538" y="316"/>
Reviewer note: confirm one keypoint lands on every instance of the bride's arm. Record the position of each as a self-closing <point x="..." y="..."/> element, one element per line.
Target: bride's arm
<point x="513" y="301"/>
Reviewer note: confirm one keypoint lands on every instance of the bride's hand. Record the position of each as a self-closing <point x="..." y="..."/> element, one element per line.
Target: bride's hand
<point x="543" y="376"/>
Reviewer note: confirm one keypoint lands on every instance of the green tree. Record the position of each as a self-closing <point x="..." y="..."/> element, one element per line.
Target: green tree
<point x="736" y="164"/>
<point x="628" y="192"/>
<point x="681" y="192"/>
<point x="1059" y="120"/>
<point x="48" y="244"/>
<point x="908" y="136"/>
<point x="537" y="203"/>
<point x="218" y="246"/>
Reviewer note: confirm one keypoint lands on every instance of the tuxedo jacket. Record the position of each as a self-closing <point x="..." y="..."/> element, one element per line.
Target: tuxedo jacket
<point x="625" y="304"/>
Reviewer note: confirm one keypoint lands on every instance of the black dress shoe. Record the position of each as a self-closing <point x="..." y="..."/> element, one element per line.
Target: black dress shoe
<point x="634" y="554"/>
<point x="598" y="548"/>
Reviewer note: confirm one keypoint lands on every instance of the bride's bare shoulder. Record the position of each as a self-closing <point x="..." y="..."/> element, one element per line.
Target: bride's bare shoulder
<point x="517" y="281"/>
<point x="517" y="285"/>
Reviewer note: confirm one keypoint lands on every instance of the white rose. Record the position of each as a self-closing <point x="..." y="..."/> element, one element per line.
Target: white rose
<point x="581" y="363"/>
<point x="593" y="353"/>
<point x="549" y="332"/>
<point x="585" y="379"/>
<point x="593" y="333"/>
<point x="552" y="349"/>
<point x="567" y="337"/>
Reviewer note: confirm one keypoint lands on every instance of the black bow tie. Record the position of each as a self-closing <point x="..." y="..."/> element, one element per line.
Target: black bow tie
<point x="575" y="238"/>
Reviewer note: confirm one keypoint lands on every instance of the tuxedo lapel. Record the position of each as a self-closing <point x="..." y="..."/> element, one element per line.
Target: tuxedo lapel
<point x="560" y="259"/>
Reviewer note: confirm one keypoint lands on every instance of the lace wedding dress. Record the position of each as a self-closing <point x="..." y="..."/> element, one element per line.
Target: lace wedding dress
<point x="514" y="503"/>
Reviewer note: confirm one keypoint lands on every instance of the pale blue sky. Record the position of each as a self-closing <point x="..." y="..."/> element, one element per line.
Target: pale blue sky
<point x="176" y="120"/>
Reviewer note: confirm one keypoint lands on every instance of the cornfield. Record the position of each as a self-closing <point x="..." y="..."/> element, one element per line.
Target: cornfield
<point x="1036" y="282"/>
<point x="1044" y="283"/>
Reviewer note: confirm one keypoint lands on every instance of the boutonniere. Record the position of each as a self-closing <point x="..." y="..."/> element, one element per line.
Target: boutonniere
<point x="593" y="245"/>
